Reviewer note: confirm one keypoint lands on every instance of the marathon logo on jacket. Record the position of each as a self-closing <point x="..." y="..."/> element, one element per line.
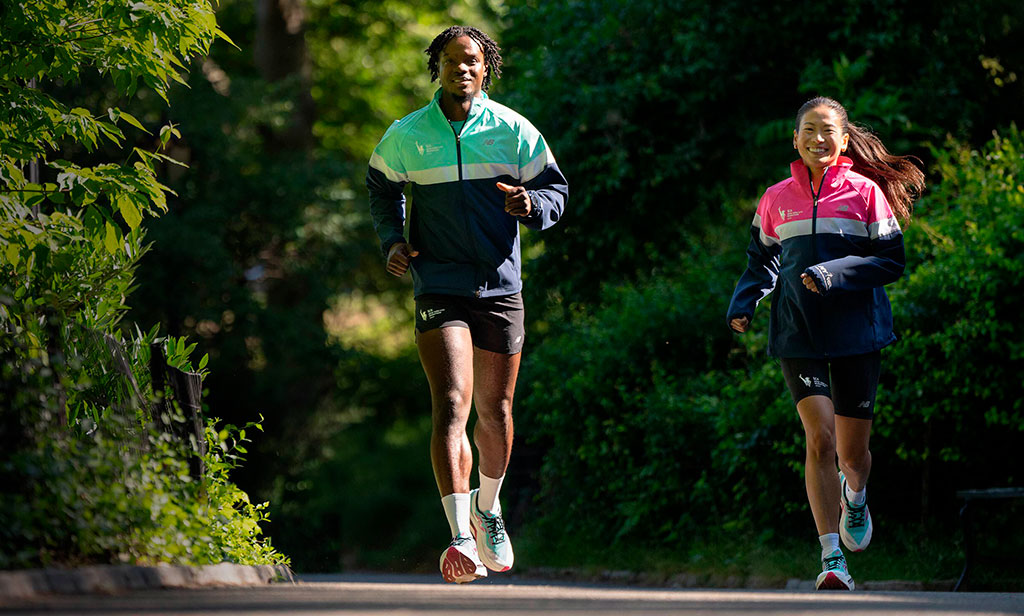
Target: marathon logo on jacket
<point x="425" y="149"/>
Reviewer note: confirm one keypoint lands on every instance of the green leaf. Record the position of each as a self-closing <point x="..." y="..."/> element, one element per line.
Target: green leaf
<point x="110" y="240"/>
<point x="129" y="118"/>
<point x="13" y="254"/>
<point x="129" y="212"/>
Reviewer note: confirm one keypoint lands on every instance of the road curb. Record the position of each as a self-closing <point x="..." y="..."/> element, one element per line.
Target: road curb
<point x="121" y="578"/>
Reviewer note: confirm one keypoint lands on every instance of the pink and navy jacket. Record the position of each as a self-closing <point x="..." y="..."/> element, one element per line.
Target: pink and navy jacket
<point x="845" y="235"/>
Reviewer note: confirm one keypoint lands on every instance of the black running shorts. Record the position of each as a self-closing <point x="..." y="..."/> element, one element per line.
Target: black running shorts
<point x="497" y="324"/>
<point x="851" y="382"/>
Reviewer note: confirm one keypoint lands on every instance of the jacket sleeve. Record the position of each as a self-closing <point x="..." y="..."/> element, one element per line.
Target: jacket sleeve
<point x="758" y="280"/>
<point x="884" y="263"/>
<point x="385" y="179"/>
<point x="543" y="180"/>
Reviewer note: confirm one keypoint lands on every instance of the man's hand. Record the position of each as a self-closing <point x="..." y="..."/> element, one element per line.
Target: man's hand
<point x="517" y="200"/>
<point x="809" y="283"/>
<point x="740" y="325"/>
<point x="398" y="258"/>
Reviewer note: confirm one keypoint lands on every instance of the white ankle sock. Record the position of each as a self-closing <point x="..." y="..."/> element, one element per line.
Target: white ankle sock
<point x="456" y="509"/>
<point x="829" y="543"/>
<point x="487" y="499"/>
<point x="856" y="498"/>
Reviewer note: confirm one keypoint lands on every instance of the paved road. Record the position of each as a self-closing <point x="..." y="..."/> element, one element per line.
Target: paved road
<point x="424" y="595"/>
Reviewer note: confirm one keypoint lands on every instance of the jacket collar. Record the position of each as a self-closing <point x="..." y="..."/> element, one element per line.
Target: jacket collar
<point x="833" y="175"/>
<point x="474" y="109"/>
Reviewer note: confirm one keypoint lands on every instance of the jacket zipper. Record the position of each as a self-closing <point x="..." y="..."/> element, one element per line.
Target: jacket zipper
<point x="465" y="210"/>
<point x="814" y="246"/>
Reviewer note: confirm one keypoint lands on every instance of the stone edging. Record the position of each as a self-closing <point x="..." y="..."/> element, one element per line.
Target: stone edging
<point x="120" y="578"/>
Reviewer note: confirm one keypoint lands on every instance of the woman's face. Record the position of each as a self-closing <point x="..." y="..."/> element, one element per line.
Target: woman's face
<point x="462" y="68"/>
<point x="820" y="138"/>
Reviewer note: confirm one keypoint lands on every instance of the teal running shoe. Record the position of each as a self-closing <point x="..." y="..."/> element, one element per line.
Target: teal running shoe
<point x="855" y="521"/>
<point x="492" y="540"/>
<point x="460" y="562"/>
<point x="834" y="575"/>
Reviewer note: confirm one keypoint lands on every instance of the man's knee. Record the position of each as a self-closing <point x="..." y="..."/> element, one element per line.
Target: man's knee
<point x="452" y="407"/>
<point x="494" y="414"/>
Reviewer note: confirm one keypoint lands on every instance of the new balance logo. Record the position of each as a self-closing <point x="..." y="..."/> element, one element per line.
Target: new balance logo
<point x="864" y="405"/>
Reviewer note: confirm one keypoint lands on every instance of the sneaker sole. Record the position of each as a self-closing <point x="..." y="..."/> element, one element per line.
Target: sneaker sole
<point x="458" y="568"/>
<point x="831" y="581"/>
<point x="483" y="552"/>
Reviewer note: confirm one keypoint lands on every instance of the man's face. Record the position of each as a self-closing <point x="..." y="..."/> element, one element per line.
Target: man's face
<point x="462" y="68"/>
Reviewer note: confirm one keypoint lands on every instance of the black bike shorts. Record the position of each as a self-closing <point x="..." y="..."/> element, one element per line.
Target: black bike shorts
<point x="497" y="324"/>
<point x="851" y="382"/>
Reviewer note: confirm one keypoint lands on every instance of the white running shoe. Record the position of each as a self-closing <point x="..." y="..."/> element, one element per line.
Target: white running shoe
<point x="460" y="562"/>
<point x="834" y="575"/>
<point x="492" y="540"/>
<point x="855" y="527"/>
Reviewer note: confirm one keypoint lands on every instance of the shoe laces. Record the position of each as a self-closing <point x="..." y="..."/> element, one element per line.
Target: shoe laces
<point x="855" y="515"/>
<point x="834" y="563"/>
<point x="495" y="527"/>
<point x="460" y="540"/>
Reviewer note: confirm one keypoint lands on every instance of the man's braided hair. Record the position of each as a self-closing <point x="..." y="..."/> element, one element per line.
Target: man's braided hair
<point x="492" y="53"/>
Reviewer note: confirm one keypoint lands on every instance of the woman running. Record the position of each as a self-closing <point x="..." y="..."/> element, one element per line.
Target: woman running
<point x="827" y="240"/>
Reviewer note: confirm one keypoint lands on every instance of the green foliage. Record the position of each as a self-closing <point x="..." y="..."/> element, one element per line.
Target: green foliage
<point x="84" y="477"/>
<point x="120" y="494"/>
<point x="645" y="406"/>
<point x="654" y="107"/>
<point x="956" y="372"/>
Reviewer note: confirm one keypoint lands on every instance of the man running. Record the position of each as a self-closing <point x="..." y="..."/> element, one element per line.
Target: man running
<point x="477" y="170"/>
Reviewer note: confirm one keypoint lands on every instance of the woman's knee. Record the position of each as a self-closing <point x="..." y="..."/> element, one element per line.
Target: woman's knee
<point x="821" y="444"/>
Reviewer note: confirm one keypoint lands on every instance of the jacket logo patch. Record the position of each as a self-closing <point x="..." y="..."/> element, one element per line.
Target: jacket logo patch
<point x="843" y="208"/>
<point x="424" y="148"/>
<point x="489" y="142"/>
<point x="784" y="214"/>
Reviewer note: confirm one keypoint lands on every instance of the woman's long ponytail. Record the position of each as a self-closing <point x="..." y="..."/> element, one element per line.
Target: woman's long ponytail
<point x="898" y="177"/>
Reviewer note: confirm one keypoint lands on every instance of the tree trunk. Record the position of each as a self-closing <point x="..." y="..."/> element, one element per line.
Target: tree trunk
<point x="281" y="54"/>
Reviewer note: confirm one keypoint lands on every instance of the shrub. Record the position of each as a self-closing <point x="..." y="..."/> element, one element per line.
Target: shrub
<point x="657" y="426"/>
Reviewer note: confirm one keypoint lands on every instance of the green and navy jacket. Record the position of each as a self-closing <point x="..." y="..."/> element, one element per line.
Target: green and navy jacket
<point x="468" y="245"/>
<point x="843" y="234"/>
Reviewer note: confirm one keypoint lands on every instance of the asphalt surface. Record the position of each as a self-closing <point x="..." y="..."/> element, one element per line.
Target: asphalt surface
<point x="354" y="594"/>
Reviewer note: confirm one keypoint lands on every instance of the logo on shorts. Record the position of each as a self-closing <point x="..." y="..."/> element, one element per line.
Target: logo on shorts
<point x="812" y="381"/>
<point x="864" y="405"/>
<point x="429" y="313"/>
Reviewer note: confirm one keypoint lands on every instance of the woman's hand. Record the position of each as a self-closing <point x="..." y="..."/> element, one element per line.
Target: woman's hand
<point x="398" y="258"/>
<point x="809" y="283"/>
<point x="517" y="200"/>
<point x="740" y="325"/>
